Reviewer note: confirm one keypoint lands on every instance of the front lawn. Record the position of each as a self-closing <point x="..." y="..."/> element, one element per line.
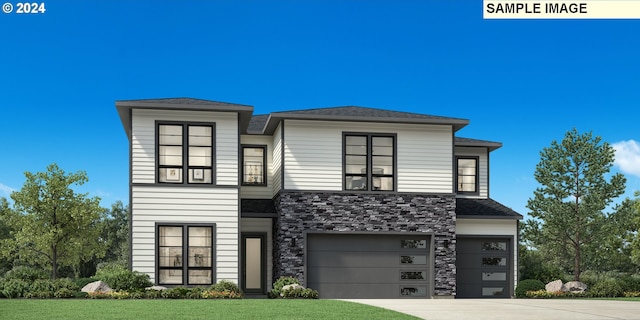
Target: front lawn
<point x="621" y="299"/>
<point x="191" y="309"/>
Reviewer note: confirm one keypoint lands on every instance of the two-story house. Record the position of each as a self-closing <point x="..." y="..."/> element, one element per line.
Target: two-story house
<point x="355" y="202"/>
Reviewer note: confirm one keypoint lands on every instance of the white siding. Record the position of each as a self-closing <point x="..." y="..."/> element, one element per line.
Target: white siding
<point x="143" y="142"/>
<point x="483" y="169"/>
<point x="313" y="155"/>
<point x="154" y="204"/>
<point x="492" y="227"/>
<point x="259" y="192"/>
<point x="277" y="160"/>
<point x="261" y="225"/>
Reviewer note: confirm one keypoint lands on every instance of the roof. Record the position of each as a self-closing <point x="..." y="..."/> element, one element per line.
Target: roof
<point x="257" y="123"/>
<point x="468" y="142"/>
<point x="364" y="114"/>
<point x="124" y="108"/>
<point x="483" y="208"/>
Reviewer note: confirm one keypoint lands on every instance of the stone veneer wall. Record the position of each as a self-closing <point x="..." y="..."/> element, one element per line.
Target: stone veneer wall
<point x="344" y="212"/>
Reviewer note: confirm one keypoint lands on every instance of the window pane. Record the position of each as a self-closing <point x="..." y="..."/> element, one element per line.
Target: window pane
<point x="170" y="257"/>
<point x="382" y="183"/>
<point x="356" y="150"/>
<point x="170" y="236"/>
<point x="356" y="182"/>
<point x="492" y="291"/>
<point x="200" y="236"/>
<point x="356" y="164"/>
<point x="169" y="276"/>
<point x="253" y="170"/>
<point x="200" y="257"/>
<point x="200" y="156"/>
<point x="413" y="291"/>
<point x="413" y="275"/>
<point x="200" y="175"/>
<point x="174" y="130"/>
<point x="356" y="140"/>
<point x="199" y="276"/>
<point x="170" y="155"/>
<point x="170" y="175"/>
<point x="200" y="135"/>
<point x="494" y="276"/>
<point x="170" y="140"/>
<point x="494" y="246"/>
<point x="413" y="244"/>
<point x="382" y="141"/>
<point x="494" y="261"/>
<point x="413" y="259"/>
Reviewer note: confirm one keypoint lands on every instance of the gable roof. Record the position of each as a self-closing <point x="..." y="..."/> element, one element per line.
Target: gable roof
<point x="484" y="208"/>
<point x="124" y="107"/>
<point x="359" y="114"/>
<point x="468" y="142"/>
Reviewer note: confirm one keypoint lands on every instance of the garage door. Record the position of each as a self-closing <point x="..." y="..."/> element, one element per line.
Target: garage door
<point x="483" y="267"/>
<point x="369" y="266"/>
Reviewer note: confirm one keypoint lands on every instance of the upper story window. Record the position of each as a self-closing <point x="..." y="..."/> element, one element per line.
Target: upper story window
<point x="185" y="153"/>
<point x="369" y="162"/>
<point x="254" y="159"/>
<point x="467" y="178"/>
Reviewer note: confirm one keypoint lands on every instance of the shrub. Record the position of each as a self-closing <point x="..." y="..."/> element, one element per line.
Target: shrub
<point x="195" y="293"/>
<point x="81" y="282"/>
<point x="632" y="294"/>
<point x="630" y="283"/>
<point x="607" y="288"/>
<point x="281" y="282"/>
<point x="65" y="283"/>
<point x="226" y="285"/>
<point x="528" y="285"/>
<point x="42" y="285"/>
<point x="80" y="295"/>
<point x="153" y="294"/>
<point x="120" y="278"/>
<point x="300" y="294"/>
<point x="27" y="274"/>
<point x="212" y="294"/>
<point x="15" y="288"/>
<point x="175" y="293"/>
<point x="64" y="293"/>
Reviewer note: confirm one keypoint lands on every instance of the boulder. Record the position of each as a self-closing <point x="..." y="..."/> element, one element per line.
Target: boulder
<point x="96" y="286"/>
<point x="156" y="288"/>
<point x="554" y="286"/>
<point x="574" y="286"/>
<point x="289" y="287"/>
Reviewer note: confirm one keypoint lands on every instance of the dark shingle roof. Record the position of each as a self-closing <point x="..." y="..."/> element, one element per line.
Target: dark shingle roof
<point x="257" y="207"/>
<point x="483" y="208"/>
<point x="182" y="101"/>
<point x="468" y="142"/>
<point x="353" y="113"/>
<point x="257" y="123"/>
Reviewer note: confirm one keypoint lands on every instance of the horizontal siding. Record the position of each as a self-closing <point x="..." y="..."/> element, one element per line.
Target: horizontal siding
<point x="483" y="169"/>
<point x="143" y="142"/>
<point x="261" y="225"/>
<point x="261" y="192"/>
<point x="313" y="155"/>
<point x="276" y="166"/>
<point x="151" y="205"/>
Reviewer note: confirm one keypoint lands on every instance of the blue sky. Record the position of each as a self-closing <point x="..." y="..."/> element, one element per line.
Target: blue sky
<point x="523" y="83"/>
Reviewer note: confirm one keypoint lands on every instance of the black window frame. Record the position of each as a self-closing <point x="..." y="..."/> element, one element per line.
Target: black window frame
<point x="185" y="167"/>
<point x="185" y="249"/>
<point x="264" y="165"/>
<point x="477" y="175"/>
<point x="369" y="161"/>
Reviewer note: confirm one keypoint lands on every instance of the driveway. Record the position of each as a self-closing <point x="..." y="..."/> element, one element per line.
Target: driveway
<point x="508" y="309"/>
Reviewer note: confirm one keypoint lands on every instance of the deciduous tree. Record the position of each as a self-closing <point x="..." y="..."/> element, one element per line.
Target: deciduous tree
<point x="568" y="207"/>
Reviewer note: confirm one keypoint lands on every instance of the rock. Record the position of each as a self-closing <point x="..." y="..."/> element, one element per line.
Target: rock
<point x="289" y="287"/>
<point x="574" y="286"/>
<point x="554" y="286"/>
<point x="96" y="286"/>
<point x="157" y="288"/>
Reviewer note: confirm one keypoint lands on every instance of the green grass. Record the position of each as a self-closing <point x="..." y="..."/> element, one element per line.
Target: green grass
<point x="620" y="298"/>
<point x="191" y="309"/>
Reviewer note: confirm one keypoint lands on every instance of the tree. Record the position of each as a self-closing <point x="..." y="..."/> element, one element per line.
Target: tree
<point x="634" y="241"/>
<point x="52" y="225"/>
<point x="568" y="207"/>
<point x="115" y="232"/>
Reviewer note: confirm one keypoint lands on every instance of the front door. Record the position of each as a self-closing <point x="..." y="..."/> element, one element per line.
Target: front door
<point x="254" y="262"/>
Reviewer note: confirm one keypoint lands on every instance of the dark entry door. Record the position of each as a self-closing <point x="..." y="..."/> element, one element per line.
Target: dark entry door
<point x="254" y="263"/>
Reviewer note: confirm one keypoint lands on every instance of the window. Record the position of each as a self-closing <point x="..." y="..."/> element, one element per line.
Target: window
<point x="185" y="153"/>
<point x="369" y="162"/>
<point x="254" y="159"/>
<point x="197" y="242"/>
<point x="467" y="178"/>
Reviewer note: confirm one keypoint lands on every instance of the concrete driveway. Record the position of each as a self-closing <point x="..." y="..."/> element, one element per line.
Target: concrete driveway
<point x="508" y="309"/>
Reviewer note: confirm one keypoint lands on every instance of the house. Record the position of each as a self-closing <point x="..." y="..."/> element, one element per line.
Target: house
<point x="355" y="202"/>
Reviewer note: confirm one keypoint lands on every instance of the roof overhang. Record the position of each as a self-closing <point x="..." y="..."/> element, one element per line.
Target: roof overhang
<point x="124" y="108"/>
<point x="276" y="117"/>
<point x="465" y="142"/>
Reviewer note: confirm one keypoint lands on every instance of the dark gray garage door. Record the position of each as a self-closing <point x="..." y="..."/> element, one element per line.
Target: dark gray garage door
<point x="369" y="266"/>
<point x="484" y="267"/>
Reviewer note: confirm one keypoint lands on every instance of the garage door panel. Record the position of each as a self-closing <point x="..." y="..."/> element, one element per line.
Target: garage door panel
<point x="483" y="267"/>
<point x="368" y="266"/>
<point x="353" y="259"/>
